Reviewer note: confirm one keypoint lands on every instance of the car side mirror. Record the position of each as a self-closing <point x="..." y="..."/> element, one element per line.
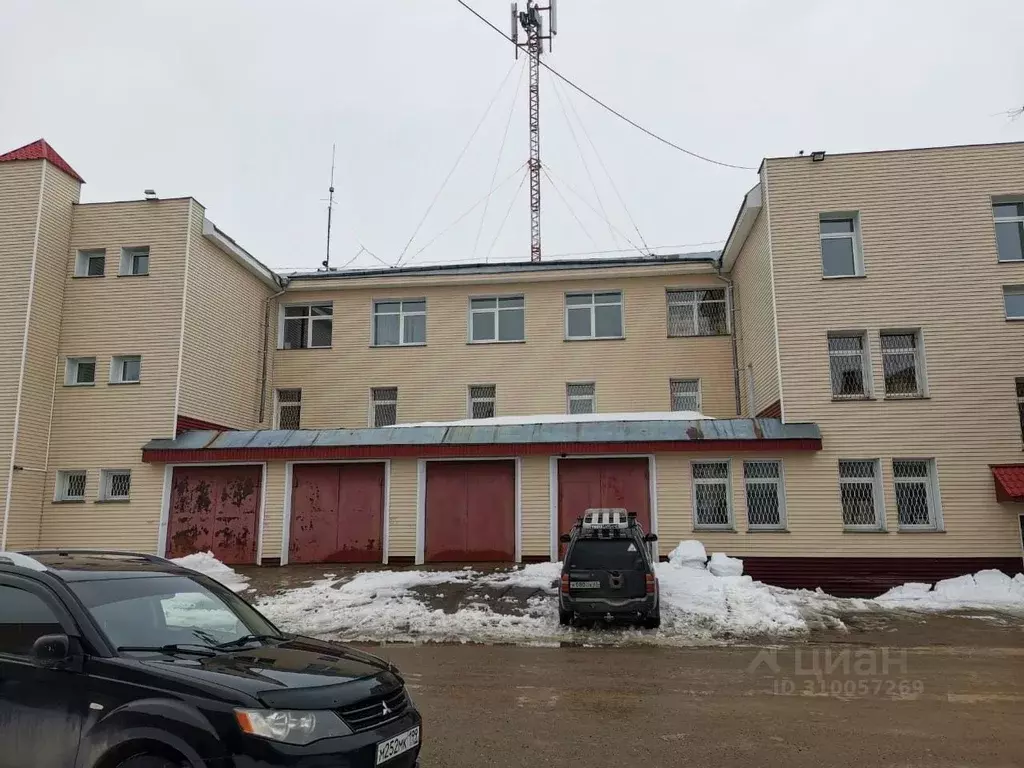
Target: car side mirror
<point x="565" y="538"/>
<point x="51" y="651"/>
<point x="651" y="537"/>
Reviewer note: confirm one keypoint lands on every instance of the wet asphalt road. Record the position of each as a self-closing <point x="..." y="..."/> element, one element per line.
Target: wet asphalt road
<point x="937" y="706"/>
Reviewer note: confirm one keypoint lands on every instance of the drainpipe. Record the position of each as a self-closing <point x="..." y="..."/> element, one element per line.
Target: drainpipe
<point x="732" y="337"/>
<point x="266" y="342"/>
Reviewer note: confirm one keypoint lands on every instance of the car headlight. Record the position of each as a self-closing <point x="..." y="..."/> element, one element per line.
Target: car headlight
<point x="291" y="726"/>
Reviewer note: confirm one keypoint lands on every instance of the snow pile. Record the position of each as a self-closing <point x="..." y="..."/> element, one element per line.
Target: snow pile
<point x="690" y="553"/>
<point x="564" y="418"/>
<point x="723" y="565"/>
<point x="984" y="589"/>
<point x="207" y="564"/>
<point x="533" y="576"/>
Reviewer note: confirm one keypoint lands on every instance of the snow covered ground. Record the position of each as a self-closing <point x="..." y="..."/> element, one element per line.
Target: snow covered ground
<point x="704" y="600"/>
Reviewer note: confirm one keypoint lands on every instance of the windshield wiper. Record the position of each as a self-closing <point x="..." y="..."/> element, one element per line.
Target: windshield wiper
<point x="193" y="648"/>
<point x="247" y="639"/>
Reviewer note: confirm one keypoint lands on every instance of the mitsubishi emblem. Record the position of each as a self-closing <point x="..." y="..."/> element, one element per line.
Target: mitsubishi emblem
<point x="387" y="710"/>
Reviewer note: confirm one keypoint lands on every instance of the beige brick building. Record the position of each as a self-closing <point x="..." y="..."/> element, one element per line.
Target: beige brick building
<point x="855" y="344"/>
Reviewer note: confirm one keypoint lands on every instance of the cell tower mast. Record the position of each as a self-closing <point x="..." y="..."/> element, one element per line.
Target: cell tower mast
<point x="532" y="22"/>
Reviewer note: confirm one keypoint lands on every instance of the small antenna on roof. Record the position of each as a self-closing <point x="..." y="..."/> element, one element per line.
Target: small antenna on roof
<point x="330" y="208"/>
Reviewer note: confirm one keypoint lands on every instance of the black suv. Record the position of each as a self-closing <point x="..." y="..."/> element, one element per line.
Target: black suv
<point x="608" y="573"/>
<point x="124" y="660"/>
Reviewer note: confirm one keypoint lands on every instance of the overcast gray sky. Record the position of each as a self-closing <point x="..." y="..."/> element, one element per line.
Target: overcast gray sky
<point x="237" y="102"/>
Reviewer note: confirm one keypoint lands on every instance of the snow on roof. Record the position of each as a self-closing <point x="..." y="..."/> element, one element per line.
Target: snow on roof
<point x="564" y="418"/>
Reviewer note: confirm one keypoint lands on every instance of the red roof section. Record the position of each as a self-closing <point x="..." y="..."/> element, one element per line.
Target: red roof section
<point x="1009" y="482"/>
<point x="40" y="150"/>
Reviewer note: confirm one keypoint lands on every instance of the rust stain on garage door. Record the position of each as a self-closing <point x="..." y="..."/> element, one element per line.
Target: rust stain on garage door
<point x="590" y="483"/>
<point x="470" y="511"/>
<point x="337" y="513"/>
<point x="215" y="509"/>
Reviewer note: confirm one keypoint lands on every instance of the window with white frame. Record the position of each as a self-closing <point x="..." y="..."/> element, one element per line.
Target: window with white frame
<point x="289" y="409"/>
<point x="1009" y="218"/>
<point x="580" y="397"/>
<point x="916" y="497"/>
<point x="80" y="371"/>
<point x="115" y="484"/>
<point x="399" y="323"/>
<point x="307" y="326"/>
<point x="848" y="364"/>
<point x="383" y="406"/>
<point x="481" y="401"/>
<point x="902" y="363"/>
<point x="701" y="312"/>
<point x="125" y="369"/>
<point x="497" y="318"/>
<point x="766" y="495"/>
<point x="1013" y="301"/>
<point x="1020" y="403"/>
<point x="860" y="494"/>
<point x="70" y="485"/>
<point x="685" y="394"/>
<point x="90" y="262"/>
<point x="134" y="261"/>
<point x="712" y="505"/>
<point x="840" y="245"/>
<point x="593" y="315"/>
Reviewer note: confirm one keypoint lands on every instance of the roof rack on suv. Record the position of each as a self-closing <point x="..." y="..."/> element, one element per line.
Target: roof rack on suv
<point x="126" y="554"/>
<point x="610" y="522"/>
<point x="21" y="560"/>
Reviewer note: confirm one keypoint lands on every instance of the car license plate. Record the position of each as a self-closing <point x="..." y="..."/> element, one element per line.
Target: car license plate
<point x="398" y="745"/>
<point x="585" y="585"/>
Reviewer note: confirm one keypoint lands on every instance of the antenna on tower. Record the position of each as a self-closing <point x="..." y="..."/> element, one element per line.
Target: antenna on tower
<point x="330" y="209"/>
<point x="532" y="22"/>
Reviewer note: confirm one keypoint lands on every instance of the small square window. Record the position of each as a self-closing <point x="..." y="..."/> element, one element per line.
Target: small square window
<point x="685" y="394"/>
<point x="841" y="255"/>
<point x="126" y="369"/>
<point x="593" y="315"/>
<point x="80" y="371"/>
<point x="383" y="406"/>
<point x="115" y="484"/>
<point x="289" y="409"/>
<point x="90" y="263"/>
<point x="501" y="318"/>
<point x="1013" y="301"/>
<point x="1009" y="218"/>
<point x="400" y="323"/>
<point x="581" y="398"/>
<point x="307" y="326"/>
<point x="70" y="485"/>
<point x="481" y="401"/>
<point x="134" y="261"/>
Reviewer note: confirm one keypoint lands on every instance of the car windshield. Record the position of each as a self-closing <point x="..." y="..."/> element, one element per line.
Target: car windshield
<point x="606" y="555"/>
<point x="160" y="610"/>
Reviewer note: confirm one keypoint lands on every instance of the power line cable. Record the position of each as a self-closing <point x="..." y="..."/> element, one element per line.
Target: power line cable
<point x="467" y="212"/>
<point x="586" y="133"/>
<point x="511" y="204"/>
<point x="586" y="166"/>
<point x="457" y="161"/>
<point x="614" y="111"/>
<point x="591" y="207"/>
<point x="501" y="149"/>
<point x="566" y="203"/>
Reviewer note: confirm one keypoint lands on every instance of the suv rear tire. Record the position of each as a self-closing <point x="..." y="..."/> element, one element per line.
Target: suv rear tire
<point x="564" y="618"/>
<point x="653" y="621"/>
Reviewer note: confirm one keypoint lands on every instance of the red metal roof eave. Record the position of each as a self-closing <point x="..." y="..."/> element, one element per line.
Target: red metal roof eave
<point x="444" y="450"/>
<point x="1009" y="480"/>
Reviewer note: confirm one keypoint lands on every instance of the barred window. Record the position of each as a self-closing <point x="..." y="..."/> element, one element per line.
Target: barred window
<point x="685" y="394"/>
<point x="765" y="494"/>
<point x="593" y="315"/>
<point x="115" y="484"/>
<point x="697" y="313"/>
<point x="500" y="318"/>
<point x="70" y="485"/>
<point x="307" y="326"/>
<point x="901" y="362"/>
<point x="580" y="398"/>
<point x="915" y="493"/>
<point x="289" y="409"/>
<point x="399" y="323"/>
<point x="1020" y="403"/>
<point x="712" y="507"/>
<point x="848" y="365"/>
<point x="383" y="406"/>
<point x="481" y="401"/>
<point x="80" y="371"/>
<point x="859" y="491"/>
<point x="1009" y="218"/>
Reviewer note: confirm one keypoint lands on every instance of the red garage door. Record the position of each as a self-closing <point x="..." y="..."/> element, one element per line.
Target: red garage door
<point x="337" y="513"/>
<point x="470" y="511"/>
<point x="586" y="483"/>
<point x="215" y="509"/>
